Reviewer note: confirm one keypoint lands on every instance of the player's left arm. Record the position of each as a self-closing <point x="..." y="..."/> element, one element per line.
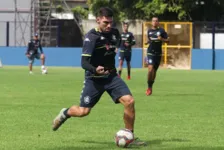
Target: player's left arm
<point x="41" y="51"/>
<point x="133" y="42"/>
<point x="118" y="37"/>
<point x="40" y="47"/>
<point x="164" y="36"/>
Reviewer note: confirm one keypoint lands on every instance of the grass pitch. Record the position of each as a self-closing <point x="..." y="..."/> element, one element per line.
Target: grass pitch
<point x="185" y="112"/>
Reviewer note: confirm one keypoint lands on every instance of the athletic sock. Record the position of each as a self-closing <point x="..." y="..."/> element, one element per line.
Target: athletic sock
<point x="129" y="72"/>
<point x="66" y="113"/>
<point x="150" y="84"/>
<point x="119" y="72"/>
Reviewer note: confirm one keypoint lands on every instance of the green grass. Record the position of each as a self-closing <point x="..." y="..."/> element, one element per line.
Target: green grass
<point x="185" y="112"/>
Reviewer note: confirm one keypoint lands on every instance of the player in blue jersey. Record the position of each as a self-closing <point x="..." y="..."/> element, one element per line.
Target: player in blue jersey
<point x="32" y="53"/>
<point x="156" y="36"/>
<point x="98" y="61"/>
<point x="127" y="41"/>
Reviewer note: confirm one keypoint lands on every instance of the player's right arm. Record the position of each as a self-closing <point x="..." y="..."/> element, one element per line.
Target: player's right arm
<point x="149" y="38"/>
<point x="28" y="49"/>
<point x="88" y="48"/>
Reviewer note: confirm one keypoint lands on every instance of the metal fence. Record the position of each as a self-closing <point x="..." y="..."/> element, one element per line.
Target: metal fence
<point x="177" y="53"/>
<point x="15" y="33"/>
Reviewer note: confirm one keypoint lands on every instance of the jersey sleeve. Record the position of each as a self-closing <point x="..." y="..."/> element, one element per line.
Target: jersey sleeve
<point x="88" y="45"/>
<point x="28" y="47"/>
<point x="148" y="35"/>
<point x="118" y="37"/>
<point x="40" y="47"/>
<point x="164" y="34"/>
<point x="132" y="39"/>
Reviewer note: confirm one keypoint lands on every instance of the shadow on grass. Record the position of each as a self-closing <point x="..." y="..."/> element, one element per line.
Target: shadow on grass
<point x="151" y="145"/>
<point x="182" y="94"/>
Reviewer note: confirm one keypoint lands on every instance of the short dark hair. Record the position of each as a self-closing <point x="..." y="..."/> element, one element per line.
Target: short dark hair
<point x="125" y="23"/>
<point x="155" y="17"/>
<point x="106" y="12"/>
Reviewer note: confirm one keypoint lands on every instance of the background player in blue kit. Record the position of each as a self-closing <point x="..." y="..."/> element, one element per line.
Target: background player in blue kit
<point x="156" y="36"/>
<point x="32" y="53"/>
<point x="127" y="41"/>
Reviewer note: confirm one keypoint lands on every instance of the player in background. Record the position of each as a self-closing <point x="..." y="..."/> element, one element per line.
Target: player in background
<point x="32" y="53"/>
<point x="127" y="41"/>
<point x="98" y="61"/>
<point x="156" y="36"/>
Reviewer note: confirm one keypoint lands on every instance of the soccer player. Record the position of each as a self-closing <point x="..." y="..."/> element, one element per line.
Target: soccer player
<point x="32" y="52"/>
<point x="98" y="61"/>
<point x="156" y="36"/>
<point x="127" y="41"/>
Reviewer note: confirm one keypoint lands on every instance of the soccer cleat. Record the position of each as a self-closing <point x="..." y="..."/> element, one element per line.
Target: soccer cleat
<point x="148" y="91"/>
<point x="31" y="72"/>
<point x="128" y="77"/>
<point x="59" y="120"/>
<point x="137" y="142"/>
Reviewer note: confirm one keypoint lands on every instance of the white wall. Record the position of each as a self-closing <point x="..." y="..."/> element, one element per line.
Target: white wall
<point x="7" y="8"/>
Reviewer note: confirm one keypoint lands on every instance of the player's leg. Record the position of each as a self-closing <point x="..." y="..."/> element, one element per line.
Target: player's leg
<point x="31" y="60"/>
<point x="128" y="60"/>
<point x="156" y="66"/>
<point x="121" y="60"/>
<point x="120" y="93"/>
<point x="153" y="66"/>
<point x="91" y="94"/>
<point x="151" y="74"/>
<point x="129" y="111"/>
<point x="42" y="59"/>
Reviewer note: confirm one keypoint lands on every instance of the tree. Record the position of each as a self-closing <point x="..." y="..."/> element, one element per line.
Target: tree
<point x="165" y="9"/>
<point x="139" y="9"/>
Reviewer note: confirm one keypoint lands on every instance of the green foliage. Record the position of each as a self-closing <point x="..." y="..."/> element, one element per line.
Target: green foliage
<point x="81" y="11"/>
<point x="139" y="9"/>
<point x="165" y="9"/>
<point x="95" y="5"/>
<point x="59" y="8"/>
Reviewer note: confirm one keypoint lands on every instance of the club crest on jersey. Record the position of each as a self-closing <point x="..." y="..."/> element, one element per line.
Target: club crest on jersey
<point x="87" y="40"/>
<point x="114" y="37"/>
<point x="87" y="99"/>
<point x="102" y="38"/>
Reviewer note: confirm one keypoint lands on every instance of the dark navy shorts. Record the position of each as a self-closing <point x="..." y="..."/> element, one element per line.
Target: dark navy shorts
<point x="154" y="60"/>
<point x="94" y="88"/>
<point x="125" y="55"/>
<point x="33" y="56"/>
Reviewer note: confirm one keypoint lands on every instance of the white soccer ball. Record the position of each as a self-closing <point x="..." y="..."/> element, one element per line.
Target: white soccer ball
<point x="123" y="138"/>
<point x="44" y="71"/>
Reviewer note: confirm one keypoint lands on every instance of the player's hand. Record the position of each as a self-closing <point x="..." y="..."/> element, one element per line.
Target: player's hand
<point x="100" y="70"/>
<point x="42" y="56"/>
<point x="160" y="38"/>
<point x="116" y="50"/>
<point x="148" y="42"/>
<point x="27" y="55"/>
<point x="126" y="44"/>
